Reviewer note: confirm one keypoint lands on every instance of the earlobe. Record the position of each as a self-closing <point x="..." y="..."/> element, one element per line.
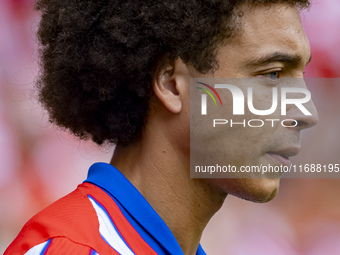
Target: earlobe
<point x="168" y="85"/>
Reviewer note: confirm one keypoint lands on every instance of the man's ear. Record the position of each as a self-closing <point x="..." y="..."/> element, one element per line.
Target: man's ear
<point x="170" y="84"/>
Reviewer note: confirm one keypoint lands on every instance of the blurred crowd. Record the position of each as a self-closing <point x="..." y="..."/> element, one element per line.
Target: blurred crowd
<point x="40" y="163"/>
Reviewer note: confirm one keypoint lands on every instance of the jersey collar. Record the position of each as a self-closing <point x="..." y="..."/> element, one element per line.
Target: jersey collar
<point x="119" y="187"/>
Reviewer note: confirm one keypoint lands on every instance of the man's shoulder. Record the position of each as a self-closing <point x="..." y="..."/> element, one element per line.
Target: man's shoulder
<point x="71" y="219"/>
<point x="86" y="221"/>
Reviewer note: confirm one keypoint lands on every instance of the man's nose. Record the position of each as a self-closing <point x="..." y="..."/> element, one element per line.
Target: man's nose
<point x="303" y="119"/>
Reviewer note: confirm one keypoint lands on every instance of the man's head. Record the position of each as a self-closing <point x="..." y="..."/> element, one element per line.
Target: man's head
<point x="113" y="69"/>
<point x="99" y="57"/>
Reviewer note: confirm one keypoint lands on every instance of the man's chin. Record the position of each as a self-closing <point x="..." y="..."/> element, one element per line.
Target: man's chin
<point x="259" y="190"/>
<point x="260" y="197"/>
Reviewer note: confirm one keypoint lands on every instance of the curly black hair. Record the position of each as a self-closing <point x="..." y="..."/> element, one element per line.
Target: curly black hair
<point x="98" y="57"/>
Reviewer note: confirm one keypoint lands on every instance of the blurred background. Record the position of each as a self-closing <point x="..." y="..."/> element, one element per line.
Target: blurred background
<point x="40" y="163"/>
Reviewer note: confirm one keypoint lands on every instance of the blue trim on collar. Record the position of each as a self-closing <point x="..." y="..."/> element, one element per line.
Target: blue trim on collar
<point x="121" y="189"/>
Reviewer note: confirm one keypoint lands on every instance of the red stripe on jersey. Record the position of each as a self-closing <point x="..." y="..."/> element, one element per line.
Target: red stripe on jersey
<point x="127" y="231"/>
<point x="60" y="245"/>
<point x="72" y="216"/>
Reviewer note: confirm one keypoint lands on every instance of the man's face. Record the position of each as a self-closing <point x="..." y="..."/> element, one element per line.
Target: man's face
<point x="271" y="45"/>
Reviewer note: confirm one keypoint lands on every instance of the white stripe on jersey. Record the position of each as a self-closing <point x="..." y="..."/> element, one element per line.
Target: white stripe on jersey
<point x="108" y="231"/>
<point x="38" y="249"/>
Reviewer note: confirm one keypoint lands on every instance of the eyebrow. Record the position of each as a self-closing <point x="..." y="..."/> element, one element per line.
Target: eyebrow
<point x="292" y="60"/>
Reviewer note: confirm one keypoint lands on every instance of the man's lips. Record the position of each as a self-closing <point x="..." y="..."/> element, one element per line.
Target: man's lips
<point x="282" y="156"/>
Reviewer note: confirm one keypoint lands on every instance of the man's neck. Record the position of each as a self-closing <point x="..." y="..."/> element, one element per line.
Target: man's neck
<point x="162" y="176"/>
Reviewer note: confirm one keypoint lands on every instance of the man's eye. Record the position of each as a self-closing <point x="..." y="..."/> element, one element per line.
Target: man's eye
<point x="273" y="75"/>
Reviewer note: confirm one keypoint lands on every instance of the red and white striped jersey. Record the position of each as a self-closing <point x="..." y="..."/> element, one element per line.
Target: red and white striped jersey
<point x="104" y="215"/>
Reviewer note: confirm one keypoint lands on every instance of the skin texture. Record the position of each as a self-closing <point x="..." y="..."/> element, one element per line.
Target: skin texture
<point x="276" y="31"/>
<point x="158" y="163"/>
